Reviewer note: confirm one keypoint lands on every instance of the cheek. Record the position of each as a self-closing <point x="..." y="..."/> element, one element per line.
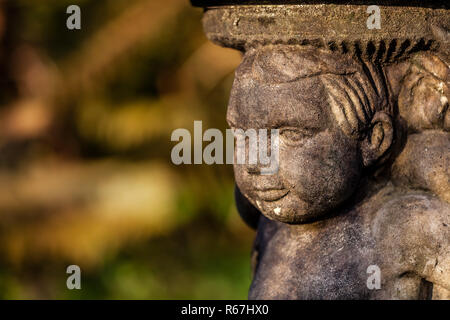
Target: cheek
<point x="241" y="178"/>
<point x="324" y="171"/>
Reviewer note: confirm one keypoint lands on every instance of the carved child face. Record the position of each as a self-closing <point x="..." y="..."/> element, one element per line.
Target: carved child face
<point x="319" y="166"/>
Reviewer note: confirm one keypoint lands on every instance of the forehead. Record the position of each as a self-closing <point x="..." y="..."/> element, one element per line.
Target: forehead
<point x="260" y="104"/>
<point x="280" y="85"/>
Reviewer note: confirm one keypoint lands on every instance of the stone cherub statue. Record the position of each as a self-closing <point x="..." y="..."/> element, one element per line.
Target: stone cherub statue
<point x="338" y="210"/>
<point x="364" y="151"/>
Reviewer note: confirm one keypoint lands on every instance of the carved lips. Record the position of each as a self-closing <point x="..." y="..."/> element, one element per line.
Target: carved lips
<point x="271" y="194"/>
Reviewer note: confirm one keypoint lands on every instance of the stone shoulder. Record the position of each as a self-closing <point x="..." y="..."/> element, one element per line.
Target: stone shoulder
<point x="415" y="227"/>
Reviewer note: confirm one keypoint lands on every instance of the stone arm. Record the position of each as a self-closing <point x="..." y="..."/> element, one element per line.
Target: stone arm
<point x="436" y="231"/>
<point x="428" y="240"/>
<point x="414" y="231"/>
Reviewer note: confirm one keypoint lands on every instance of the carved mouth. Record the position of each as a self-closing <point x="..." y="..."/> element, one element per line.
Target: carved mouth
<point x="271" y="194"/>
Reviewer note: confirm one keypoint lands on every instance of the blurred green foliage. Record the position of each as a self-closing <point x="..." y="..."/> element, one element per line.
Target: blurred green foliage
<point x="85" y="124"/>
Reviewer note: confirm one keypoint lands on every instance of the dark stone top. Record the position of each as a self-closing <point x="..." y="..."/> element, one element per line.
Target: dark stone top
<point x="408" y="3"/>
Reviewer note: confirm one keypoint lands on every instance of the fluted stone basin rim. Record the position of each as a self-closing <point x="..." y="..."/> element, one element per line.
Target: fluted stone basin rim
<point x="343" y="28"/>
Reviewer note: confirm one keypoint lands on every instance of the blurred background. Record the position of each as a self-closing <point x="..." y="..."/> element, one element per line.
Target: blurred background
<point x="85" y="171"/>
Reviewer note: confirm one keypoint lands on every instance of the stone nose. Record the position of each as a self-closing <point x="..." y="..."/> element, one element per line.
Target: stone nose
<point x="252" y="168"/>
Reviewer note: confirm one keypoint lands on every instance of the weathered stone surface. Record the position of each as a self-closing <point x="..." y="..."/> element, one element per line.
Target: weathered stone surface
<point x="341" y="28"/>
<point x="364" y="120"/>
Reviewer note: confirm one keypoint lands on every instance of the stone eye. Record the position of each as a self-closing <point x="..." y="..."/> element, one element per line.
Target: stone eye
<point x="292" y="135"/>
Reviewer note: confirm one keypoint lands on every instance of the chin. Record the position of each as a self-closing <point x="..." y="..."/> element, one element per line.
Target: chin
<point x="284" y="211"/>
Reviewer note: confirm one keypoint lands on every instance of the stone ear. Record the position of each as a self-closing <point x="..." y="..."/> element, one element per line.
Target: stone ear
<point x="378" y="140"/>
